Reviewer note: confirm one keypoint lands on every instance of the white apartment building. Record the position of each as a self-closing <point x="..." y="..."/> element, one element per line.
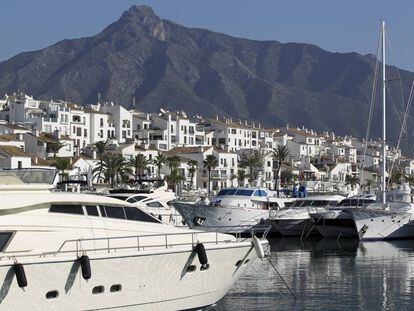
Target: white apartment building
<point x="224" y="175"/>
<point x="121" y="119"/>
<point x="234" y="136"/>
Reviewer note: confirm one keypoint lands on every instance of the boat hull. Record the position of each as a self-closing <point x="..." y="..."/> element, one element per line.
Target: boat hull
<point x="221" y="219"/>
<point x="293" y="227"/>
<point x="335" y="224"/>
<point x="148" y="281"/>
<point x="382" y="224"/>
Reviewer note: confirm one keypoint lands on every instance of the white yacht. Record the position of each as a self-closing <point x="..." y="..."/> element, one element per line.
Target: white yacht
<point x="156" y="203"/>
<point x="69" y="251"/>
<point x="336" y="223"/>
<point x="233" y="210"/>
<point x="392" y="220"/>
<point x="295" y="220"/>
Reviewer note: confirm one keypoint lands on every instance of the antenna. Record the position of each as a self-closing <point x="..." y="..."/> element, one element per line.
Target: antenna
<point x="384" y="156"/>
<point x="99" y="97"/>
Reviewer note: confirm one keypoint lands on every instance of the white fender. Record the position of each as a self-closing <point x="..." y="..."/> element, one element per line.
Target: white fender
<point x="258" y="247"/>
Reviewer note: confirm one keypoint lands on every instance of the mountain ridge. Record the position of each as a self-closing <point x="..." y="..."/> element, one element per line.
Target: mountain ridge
<point x="164" y="64"/>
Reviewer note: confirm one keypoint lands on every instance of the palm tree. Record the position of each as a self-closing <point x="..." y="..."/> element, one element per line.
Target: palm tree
<point x="192" y="168"/>
<point x="210" y="162"/>
<point x="252" y="160"/>
<point x="140" y="164"/>
<point x="62" y="165"/>
<point x="159" y="161"/>
<point x="55" y="147"/>
<point x="280" y="154"/>
<point x="175" y="177"/>
<point x="173" y="162"/>
<point x="409" y="179"/>
<point x="101" y="147"/>
<point x="241" y="176"/>
<point x="351" y="180"/>
<point x="114" y="167"/>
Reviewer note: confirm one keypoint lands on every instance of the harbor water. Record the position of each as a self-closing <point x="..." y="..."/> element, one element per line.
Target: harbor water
<point x="326" y="274"/>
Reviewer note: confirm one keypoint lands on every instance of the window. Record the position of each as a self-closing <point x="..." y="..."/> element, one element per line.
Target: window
<point x="52" y="294"/>
<point x="131" y="200"/>
<point x="133" y="213"/>
<point x="244" y="192"/>
<point x="5" y="238"/>
<point x="223" y="192"/>
<point x="92" y="210"/>
<point x="115" y="212"/>
<point x="85" y="133"/>
<point x="102" y="122"/>
<point x="98" y="289"/>
<point x="19" y="164"/>
<point x="66" y="209"/>
<point x="115" y="288"/>
<point x="154" y="204"/>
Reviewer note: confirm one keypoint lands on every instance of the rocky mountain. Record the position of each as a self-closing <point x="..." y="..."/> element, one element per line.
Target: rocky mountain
<point x="163" y="64"/>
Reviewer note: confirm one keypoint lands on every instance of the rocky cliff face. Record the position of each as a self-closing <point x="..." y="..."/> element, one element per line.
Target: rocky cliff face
<point x="163" y="64"/>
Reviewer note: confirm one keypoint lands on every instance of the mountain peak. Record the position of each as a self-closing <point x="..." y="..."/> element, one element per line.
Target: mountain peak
<point x="144" y="10"/>
<point x="142" y="15"/>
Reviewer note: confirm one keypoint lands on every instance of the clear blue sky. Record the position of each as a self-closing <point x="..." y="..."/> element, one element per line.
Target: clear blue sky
<point x="347" y="25"/>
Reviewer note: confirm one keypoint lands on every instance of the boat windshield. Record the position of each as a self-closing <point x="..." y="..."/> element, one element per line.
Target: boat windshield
<point x="355" y="202"/>
<point x="260" y="193"/>
<point x="27" y="176"/>
<point x="313" y="203"/>
<point x="244" y="192"/>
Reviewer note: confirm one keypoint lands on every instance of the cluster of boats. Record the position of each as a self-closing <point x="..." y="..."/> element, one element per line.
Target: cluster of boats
<point x="77" y="251"/>
<point x="237" y="210"/>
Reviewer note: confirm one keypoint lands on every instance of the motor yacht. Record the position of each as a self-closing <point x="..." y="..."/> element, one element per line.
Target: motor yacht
<point x="233" y="210"/>
<point x="157" y="203"/>
<point x="72" y="251"/>
<point x="336" y="223"/>
<point x="295" y="220"/>
<point x="392" y="220"/>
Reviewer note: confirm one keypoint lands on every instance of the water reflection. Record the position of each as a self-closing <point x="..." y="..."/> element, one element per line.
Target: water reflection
<point x="329" y="275"/>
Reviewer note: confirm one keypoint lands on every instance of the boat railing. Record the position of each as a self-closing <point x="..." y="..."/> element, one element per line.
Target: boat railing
<point x="240" y="231"/>
<point x="138" y="243"/>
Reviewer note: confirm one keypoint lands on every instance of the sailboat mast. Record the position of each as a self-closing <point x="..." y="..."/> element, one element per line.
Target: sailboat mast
<point x="384" y="158"/>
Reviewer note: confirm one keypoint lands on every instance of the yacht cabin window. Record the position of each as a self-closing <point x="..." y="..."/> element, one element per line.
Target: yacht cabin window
<point x="223" y="192"/>
<point x="260" y="193"/>
<point x="154" y="204"/>
<point x="115" y="212"/>
<point x="66" y="209"/>
<point x="244" y="192"/>
<point x="136" y="214"/>
<point x="92" y="210"/>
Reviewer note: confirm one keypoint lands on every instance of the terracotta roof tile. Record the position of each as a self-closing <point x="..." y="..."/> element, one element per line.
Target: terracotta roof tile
<point x="13" y="151"/>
